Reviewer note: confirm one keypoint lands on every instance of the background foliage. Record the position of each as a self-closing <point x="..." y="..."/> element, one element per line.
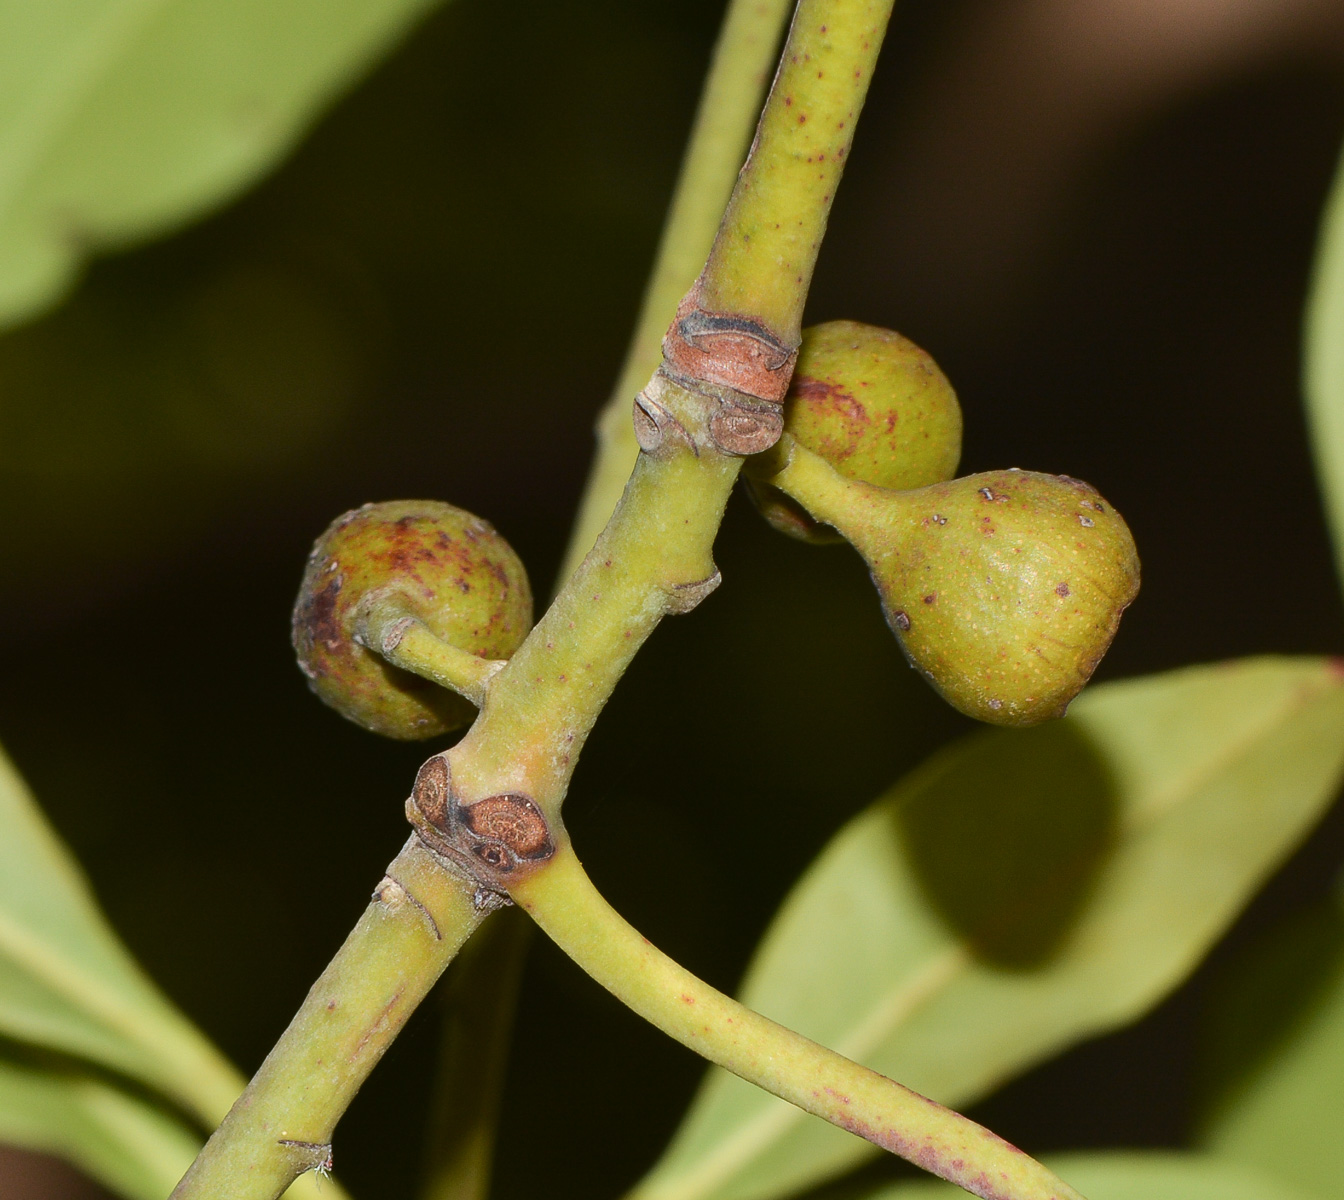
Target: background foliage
<point x="431" y="298"/>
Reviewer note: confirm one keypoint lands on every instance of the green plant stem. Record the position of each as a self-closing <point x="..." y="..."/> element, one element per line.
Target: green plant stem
<point x="767" y="245"/>
<point x="729" y="105"/>
<point x="543" y="704"/>
<point x="564" y="902"/>
<point x="744" y="57"/>
<point x="652" y="558"/>
<point x="282" y="1124"/>
<point x="809" y="479"/>
<point x="482" y="993"/>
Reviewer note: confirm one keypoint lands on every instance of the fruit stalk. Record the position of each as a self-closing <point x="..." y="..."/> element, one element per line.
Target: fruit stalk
<point x="391" y="630"/>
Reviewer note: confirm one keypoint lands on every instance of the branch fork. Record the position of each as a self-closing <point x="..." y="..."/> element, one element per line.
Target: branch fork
<point x="493" y="842"/>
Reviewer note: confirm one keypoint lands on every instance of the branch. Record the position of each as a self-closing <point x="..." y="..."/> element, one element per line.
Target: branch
<point x="563" y="901"/>
<point x="483" y="991"/>
<point x="282" y="1125"/>
<point x="716" y="397"/>
<point x="729" y="106"/>
<point x="487" y="812"/>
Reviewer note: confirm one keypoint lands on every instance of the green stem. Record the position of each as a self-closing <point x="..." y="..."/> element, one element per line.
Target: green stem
<point x="729" y="105"/>
<point x="806" y="477"/>
<point x="482" y="993"/>
<point x="543" y="704"/>
<point x="282" y="1124"/>
<point x="767" y="245"/>
<point x="564" y="902"/>
<point x="653" y="558"/>
<point x="390" y="628"/>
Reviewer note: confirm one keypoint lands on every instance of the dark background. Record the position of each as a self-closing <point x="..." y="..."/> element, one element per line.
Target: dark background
<point x="1098" y="216"/>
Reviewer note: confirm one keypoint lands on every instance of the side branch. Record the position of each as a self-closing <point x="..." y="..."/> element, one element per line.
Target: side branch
<point x="564" y="902"/>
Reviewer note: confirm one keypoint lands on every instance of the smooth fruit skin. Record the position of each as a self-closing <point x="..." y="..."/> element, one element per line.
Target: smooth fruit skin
<point x="873" y="405"/>
<point x="1004" y="588"/>
<point x="449" y="568"/>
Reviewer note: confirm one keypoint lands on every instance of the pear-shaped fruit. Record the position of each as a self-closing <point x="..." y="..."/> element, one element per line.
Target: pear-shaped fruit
<point x="1004" y="589"/>
<point x="446" y="567"/>
<point x="873" y="405"/>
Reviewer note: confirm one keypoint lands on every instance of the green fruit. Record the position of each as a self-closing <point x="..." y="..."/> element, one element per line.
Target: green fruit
<point x="444" y="566"/>
<point x="874" y="406"/>
<point x="1004" y="589"/>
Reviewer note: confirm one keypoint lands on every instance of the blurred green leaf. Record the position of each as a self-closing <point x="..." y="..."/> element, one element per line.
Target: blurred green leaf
<point x="68" y="984"/>
<point x="124" y="1143"/>
<point x="1323" y="368"/>
<point x="1283" y="1022"/>
<point x="1136" y="1175"/>
<point x="122" y="118"/>
<point x="1020" y="891"/>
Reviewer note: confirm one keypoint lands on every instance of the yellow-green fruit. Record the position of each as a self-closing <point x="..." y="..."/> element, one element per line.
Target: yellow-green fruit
<point x="1004" y="589"/>
<point x="873" y="405"/>
<point x="446" y="567"/>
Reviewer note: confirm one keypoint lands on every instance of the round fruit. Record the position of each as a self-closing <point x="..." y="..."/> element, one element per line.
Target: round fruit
<point x="1004" y="589"/>
<point x="873" y="405"/>
<point x="447" y="568"/>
